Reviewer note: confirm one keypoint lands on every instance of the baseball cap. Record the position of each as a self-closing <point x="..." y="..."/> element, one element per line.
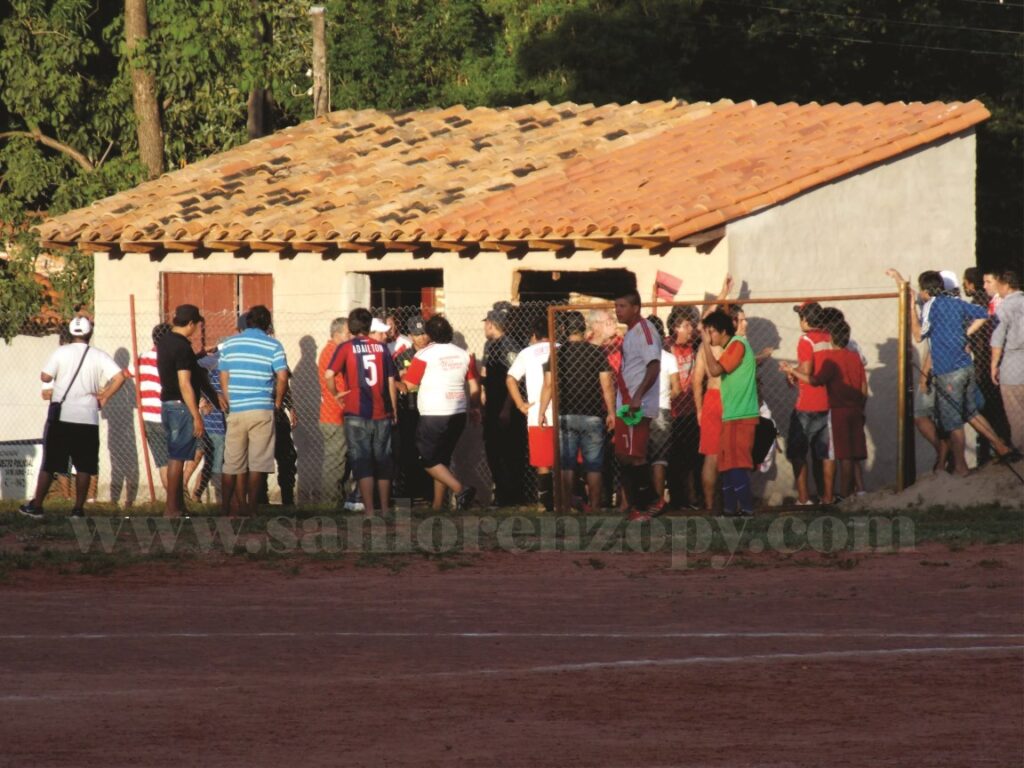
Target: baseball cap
<point x="378" y="326"/>
<point x="949" y="281"/>
<point x="416" y="326"/>
<point x="808" y="307"/>
<point x="497" y="317"/>
<point x="80" y="326"/>
<point x="187" y="313"/>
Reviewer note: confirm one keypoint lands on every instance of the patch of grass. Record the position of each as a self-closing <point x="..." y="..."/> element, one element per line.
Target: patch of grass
<point x="30" y="543"/>
<point x="990" y="564"/>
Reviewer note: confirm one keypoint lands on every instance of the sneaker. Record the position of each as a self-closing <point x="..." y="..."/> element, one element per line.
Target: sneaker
<point x="1010" y="458"/>
<point x="808" y="503"/>
<point x="77" y="512"/>
<point x="746" y="513"/>
<point x="464" y="498"/>
<point x="657" y="508"/>
<point x="28" y="510"/>
<point x="638" y="515"/>
<point x="352" y="505"/>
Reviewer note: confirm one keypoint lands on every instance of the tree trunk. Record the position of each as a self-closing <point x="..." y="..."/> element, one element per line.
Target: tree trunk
<point x="258" y="104"/>
<point x="147" y="111"/>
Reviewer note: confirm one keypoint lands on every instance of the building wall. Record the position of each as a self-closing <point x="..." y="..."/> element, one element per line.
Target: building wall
<point x="309" y="291"/>
<point x="22" y="409"/>
<point x="913" y="213"/>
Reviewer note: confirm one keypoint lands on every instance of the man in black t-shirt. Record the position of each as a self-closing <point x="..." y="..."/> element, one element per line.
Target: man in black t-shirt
<point x="504" y="425"/>
<point x="181" y="381"/>
<point x="412" y="481"/>
<point x="586" y="406"/>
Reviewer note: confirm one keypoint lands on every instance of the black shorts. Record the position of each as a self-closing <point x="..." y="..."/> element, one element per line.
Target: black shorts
<point x="437" y="436"/>
<point x="79" y="443"/>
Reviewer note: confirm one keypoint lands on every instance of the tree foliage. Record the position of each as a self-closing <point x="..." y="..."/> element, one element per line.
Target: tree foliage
<point x="65" y="76"/>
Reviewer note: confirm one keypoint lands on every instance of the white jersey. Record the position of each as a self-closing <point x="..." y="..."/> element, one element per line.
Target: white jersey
<point x="441" y="372"/>
<point x="640" y="347"/>
<point x="669" y="365"/>
<point x="530" y="363"/>
<point x="80" y="404"/>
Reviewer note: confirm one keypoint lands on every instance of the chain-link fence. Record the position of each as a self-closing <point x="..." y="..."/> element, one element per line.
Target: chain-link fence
<point x="799" y="465"/>
<point x="309" y="471"/>
<point x="495" y="455"/>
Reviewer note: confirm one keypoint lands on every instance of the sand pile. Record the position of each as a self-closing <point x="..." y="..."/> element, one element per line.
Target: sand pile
<point x="991" y="485"/>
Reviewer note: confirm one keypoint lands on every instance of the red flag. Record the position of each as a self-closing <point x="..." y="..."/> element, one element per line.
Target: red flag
<point x="667" y="286"/>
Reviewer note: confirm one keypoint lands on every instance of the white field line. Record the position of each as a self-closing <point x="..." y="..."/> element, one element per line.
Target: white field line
<point x="707" y="660"/>
<point x="624" y="664"/>
<point x="94" y="693"/>
<point x="851" y="634"/>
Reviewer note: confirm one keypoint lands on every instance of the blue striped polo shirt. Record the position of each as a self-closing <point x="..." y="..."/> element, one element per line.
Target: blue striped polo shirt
<point x="252" y="358"/>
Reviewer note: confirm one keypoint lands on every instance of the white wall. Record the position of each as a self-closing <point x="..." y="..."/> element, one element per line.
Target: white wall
<point x="22" y="410"/>
<point x="913" y="213"/>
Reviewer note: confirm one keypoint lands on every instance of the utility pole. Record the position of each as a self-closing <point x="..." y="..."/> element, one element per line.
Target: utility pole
<point x="321" y="81"/>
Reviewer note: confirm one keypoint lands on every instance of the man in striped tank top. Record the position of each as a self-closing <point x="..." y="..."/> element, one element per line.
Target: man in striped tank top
<point x="149" y="390"/>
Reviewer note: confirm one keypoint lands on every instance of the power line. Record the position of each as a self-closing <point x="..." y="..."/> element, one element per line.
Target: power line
<point x="994" y="3"/>
<point x="857" y="40"/>
<point x="871" y="19"/>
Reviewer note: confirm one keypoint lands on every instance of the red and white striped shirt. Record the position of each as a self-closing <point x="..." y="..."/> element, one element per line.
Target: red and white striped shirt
<point x="149" y="386"/>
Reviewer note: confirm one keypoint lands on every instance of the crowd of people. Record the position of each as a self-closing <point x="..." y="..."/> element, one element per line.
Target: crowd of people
<point x="647" y="420"/>
<point x="972" y="367"/>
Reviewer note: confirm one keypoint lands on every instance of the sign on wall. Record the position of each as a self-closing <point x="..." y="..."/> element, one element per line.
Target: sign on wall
<point x="19" y="468"/>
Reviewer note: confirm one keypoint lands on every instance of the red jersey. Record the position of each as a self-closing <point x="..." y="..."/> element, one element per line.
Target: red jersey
<point x="363" y="367"/>
<point x="686" y="358"/>
<point x="842" y="374"/>
<point x="613" y="351"/>
<point x="330" y="409"/>
<point x="812" y="398"/>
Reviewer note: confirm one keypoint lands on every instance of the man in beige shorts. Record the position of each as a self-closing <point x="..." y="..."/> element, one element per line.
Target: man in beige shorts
<point x="254" y="379"/>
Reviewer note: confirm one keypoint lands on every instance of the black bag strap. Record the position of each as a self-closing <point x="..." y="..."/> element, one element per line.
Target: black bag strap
<point x="70" y="383"/>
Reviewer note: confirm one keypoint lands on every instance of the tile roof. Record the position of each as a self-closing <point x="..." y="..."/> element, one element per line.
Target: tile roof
<point x="450" y="177"/>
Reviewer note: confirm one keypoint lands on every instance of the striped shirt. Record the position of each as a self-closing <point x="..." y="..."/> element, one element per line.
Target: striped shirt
<point x="214" y="420"/>
<point x="149" y="386"/>
<point x="252" y="358"/>
<point x="364" y="368"/>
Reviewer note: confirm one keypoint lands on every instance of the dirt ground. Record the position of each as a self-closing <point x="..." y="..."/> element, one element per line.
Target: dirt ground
<point x="991" y="485"/>
<point x="911" y="659"/>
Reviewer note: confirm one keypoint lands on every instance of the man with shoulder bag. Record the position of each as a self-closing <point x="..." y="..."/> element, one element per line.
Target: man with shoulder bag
<point x="84" y="379"/>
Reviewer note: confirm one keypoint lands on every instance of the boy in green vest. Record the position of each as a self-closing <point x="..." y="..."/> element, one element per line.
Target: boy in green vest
<point x="737" y="367"/>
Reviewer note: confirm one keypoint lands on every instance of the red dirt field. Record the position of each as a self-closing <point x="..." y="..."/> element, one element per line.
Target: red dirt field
<point x="913" y="659"/>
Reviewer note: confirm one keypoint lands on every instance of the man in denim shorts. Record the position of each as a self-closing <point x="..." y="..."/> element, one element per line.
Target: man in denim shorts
<point x="808" y="425"/>
<point x="361" y="375"/>
<point x="180" y="381"/>
<point x="948" y="321"/>
<point x="586" y="396"/>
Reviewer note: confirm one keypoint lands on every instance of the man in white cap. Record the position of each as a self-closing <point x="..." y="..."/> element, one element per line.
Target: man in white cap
<point x="84" y="379"/>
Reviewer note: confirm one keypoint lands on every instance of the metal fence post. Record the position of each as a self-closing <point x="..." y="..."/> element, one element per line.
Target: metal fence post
<point x="905" y="460"/>
<point x="561" y="503"/>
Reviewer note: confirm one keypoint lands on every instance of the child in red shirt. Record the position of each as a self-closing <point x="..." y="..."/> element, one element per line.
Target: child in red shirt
<point x="841" y="372"/>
